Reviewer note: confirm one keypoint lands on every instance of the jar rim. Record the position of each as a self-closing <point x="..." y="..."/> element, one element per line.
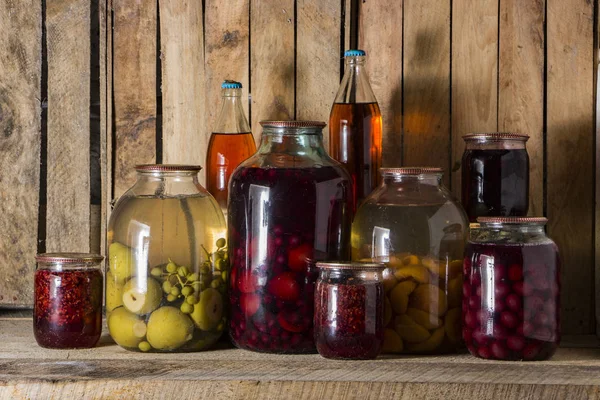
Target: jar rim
<point x="68" y="258"/>
<point x="292" y="124"/>
<point x="496" y="136"/>
<point x="167" y="168"/>
<point x="351" y="265"/>
<point x="512" y="220"/>
<point x="411" y="170"/>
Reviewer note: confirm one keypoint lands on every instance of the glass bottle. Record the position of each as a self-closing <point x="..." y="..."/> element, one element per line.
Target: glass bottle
<point x="231" y="142"/>
<point x="290" y="206"/>
<point x="355" y="127"/>
<point x="412" y="223"/>
<point x="166" y="281"/>
<point x="512" y="290"/>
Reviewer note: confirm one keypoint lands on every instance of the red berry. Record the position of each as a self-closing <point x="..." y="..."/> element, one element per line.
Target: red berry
<point x="484" y="352"/>
<point x="501" y="289"/>
<point x="515" y="343"/>
<point x="247" y="282"/>
<point x="513" y="301"/>
<point x="499" y="272"/>
<point x="509" y="319"/>
<point x="498" y="350"/>
<point x="467" y="335"/>
<point x="517" y="287"/>
<point x="515" y="273"/>
<point x="474" y="303"/>
<point x="480" y="338"/>
<point x="292" y="323"/>
<point x="470" y="319"/>
<point x="298" y="258"/>
<point x="284" y="286"/>
<point x="249" y="303"/>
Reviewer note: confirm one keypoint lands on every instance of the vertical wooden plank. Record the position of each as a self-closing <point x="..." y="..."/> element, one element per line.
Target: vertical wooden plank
<point x="227" y="52"/>
<point x="474" y="74"/>
<point x="319" y="27"/>
<point x="521" y="85"/>
<point x="570" y="143"/>
<point x="597" y="188"/>
<point x="272" y="67"/>
<point x="134" y="88"/>
<point x="380" y="35"/>
<point x="182" y="56"/>
<point x="68" y="179"/>
<point x="427" y="84"/>
<point x="20" y="124"/>
<point x="105" y="117"/>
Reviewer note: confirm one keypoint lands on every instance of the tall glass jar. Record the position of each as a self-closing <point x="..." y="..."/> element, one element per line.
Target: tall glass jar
<point x="512" y="290"/>
<point x="495" y="175"/>
<point x="290" y="205"/>
<point x="166" y="282"/>
<point x="412" y="223"/>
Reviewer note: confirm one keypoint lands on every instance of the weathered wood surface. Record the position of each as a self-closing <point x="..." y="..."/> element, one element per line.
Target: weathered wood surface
<point x="20" y="144"/>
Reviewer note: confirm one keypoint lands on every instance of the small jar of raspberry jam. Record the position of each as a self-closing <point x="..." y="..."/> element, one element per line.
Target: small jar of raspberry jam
<point x="68" y="300"/>
<point x="511" y="290"/>
<point x="349" y="310"/>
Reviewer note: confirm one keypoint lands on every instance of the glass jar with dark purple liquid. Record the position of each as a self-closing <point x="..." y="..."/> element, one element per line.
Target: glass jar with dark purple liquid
<point x="290" y="205"/>
<point x="495" y="175"/>
<point x="511" y="290"/>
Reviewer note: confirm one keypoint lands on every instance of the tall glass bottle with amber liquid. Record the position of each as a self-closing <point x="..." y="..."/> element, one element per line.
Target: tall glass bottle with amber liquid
<point x="231" y="142"/>
<point x="355" y="127"/>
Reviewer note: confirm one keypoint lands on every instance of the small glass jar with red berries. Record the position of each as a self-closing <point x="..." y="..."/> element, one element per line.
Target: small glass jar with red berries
<point x="349" y="310"/>
<point x="68" y="300"/>
<point x="511" y="290"/>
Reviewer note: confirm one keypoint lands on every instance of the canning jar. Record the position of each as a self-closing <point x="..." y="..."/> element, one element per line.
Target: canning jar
<point x="495" y="175"/>
<point x="412" y="223"/>
<point x="349" y="310"/>
<point x="68" y="300"/>
<point x="511" y="304"/>
<point x="166" y="282"/>
<point x="289" y="205"/>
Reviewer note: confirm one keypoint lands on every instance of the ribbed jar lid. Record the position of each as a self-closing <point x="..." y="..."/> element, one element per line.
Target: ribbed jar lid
<point x="496" y="136"/>
<point x="354" y="265"/>
<point x="411" y="171"/>
<point x="292" y="124"/>
<point x="69" y="258"/>
<point x="167" y="168"/>
<point x="513" y="220"/>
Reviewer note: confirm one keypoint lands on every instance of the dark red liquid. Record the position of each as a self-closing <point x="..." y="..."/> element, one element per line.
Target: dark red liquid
<point x="495" y="183"/>
<point x="281" y="221"/>
<point x="68" y="308"/>
<point x="349" y="319"/>
<point x="511" y="301"/>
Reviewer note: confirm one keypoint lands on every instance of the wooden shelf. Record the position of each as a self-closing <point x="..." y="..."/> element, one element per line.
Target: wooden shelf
<point x="28" y="371"/>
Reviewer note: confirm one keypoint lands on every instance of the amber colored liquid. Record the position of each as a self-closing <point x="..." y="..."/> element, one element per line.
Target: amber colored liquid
<point x="355" y="141"/>
<point x="225" y="152"/>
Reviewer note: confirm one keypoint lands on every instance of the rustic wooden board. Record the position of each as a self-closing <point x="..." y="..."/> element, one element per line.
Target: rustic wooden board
<point x="380" y="35"/>
<point x="20" y="124"/>
<point x="272" y="64"/>
<point x="474" y="74"/>
<point x="597" y="192"/>
<point x="570" y="154"/>
<point x="134" y="89"/>
<point x="521" y="85"/>
<point x="68" y="178"/>
<point x="427" y="84"/>
<point x="105" y="58"/>
<point x="184" y="127"/>
<point x="318" y="53"/>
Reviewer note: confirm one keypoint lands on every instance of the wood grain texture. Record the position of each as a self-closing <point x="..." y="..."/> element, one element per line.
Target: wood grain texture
<point x="474" y="74"/>
<point x="184" y="128"/>
<point x="20" y="124"/>
<point x="134" y="89"/>
<point x="68" y="178"/>
<point x="597" y="192"/>
<point x="318" y="56"/>
<point x="570" y="175"/>
<point x="427" y="84"/>
<point x="105" y="117"/>
<point x="380" y="35"/>
<point x="272" y="64"/>
<point x="521" y="85"/>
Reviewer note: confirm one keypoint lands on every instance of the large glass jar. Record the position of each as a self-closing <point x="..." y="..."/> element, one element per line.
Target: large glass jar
<point x="166" y="282"/>
<point x="412" y="223"/>
<point x="512" y="288"/>
<point x="495" y="175"/>
<point x="290" y="205"/>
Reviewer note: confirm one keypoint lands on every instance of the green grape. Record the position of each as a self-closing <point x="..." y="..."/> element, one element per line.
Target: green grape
<point x="171" y="267"/>
<point x="187" y="290"/>
<point x="187" y="308"/>
<point x="183" y="271"/>
<point x="224" y="275"/>
<point x="197" y="286"/>
<point x="205" y="269"/>
<point x="225" y="256"/>
<point x="191" y="299"/>
<point x="221" y="264"/>
<point x="166" y="286"/>
<point x="156" y="272"/>
<point x="171" y="298"/>
<point x="221" y="243"/>
<point x="175" y="291"/>
<point x="144" y="346"/>
<point x="192" y="277"/>
<point x="215" y="283"/>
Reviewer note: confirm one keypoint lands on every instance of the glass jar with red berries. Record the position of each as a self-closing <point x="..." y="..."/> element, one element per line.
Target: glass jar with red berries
<point x="511" y="290"/>
<point x="290" y="205"/>
<point x="68" y="300"/>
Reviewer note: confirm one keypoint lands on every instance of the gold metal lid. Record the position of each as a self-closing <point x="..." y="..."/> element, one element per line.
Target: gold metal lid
<point x="411" y="171"/>
<point x="496" y="136"/>
<point x="513" y="220"/>
<point x="292" y="124"/>
<point x="167" y="168"/>
<point x="354" y="265"/>
<point x="69" y="258"/>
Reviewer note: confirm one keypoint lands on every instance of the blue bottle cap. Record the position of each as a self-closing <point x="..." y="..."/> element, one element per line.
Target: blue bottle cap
<point x="354" y="53"/>
<point x="231" y="85"/>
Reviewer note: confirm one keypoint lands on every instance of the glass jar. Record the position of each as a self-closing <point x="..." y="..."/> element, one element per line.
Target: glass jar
<point x="495" y="175"/>
<point x="512" y="289"/>
<point x="166" y="282"/>
<point x="68" y="300"/>
<point x="349" y="310"/>
<point x="412" y="223"/>
<point x="289" y="205"/>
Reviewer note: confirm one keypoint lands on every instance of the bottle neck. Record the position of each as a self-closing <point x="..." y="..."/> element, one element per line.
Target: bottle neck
<point x="355" y="86"/>
<point x="167" y="184"/>
<point x="231" y="117"/>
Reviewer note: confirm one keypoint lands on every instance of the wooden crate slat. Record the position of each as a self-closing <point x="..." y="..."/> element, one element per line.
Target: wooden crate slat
<point x="570" y="155"/>
<point x="380" y="35"/>
<point x="318" y="55"/>
<point x="427" y="84"/>
<point x="68" y="178"/>
<point x="474" y="74"/>
<point x="521" y="85"/>
<point x="105" y="117"/>
<point x="272" y="66"/>
<point x="597" y="189"/>
<point x="20" y="146"/>
<point x="134" y="89"/>
<point x="182" y="56"/>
